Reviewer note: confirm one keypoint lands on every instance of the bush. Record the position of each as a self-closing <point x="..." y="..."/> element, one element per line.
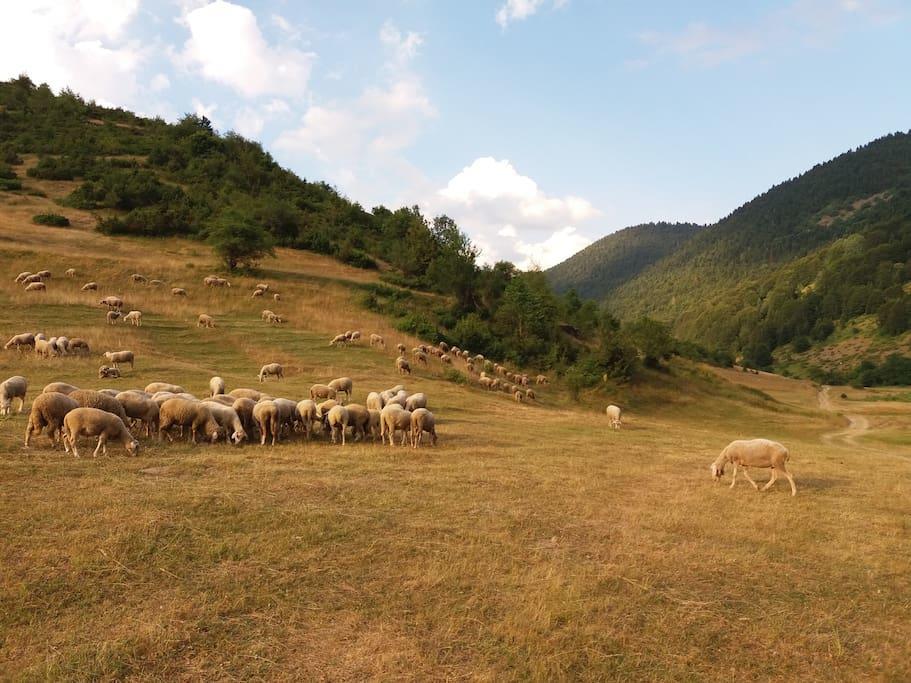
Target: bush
<point x="6" y="173"/>
<point x="801" y="344"/>
<point x="416" y="324"/>
<point x="453" y="375"/>
<point x="59" y="168"/>
<point x="8" y="185"/>
<point x="53" y="219"/>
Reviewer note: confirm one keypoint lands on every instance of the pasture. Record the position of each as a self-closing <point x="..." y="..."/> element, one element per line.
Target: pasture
<point x="531" y="543"/>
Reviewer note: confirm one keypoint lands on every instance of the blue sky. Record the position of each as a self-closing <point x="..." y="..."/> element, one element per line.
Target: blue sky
<point x="539" y="125"/>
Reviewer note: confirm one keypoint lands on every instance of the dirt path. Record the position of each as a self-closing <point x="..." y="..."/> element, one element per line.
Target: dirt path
<point x="857" y="424"/>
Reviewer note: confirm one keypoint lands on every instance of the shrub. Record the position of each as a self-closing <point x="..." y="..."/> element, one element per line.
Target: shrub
<point x="455" y="376"/>
<point x="801" y="344"/>
<point x="8" y="185"/>
<point x="6" y="173"/>
<point x="53" y="219"/>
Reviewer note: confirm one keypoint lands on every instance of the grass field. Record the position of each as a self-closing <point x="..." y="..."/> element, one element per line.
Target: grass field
<point x="531" y="543"/>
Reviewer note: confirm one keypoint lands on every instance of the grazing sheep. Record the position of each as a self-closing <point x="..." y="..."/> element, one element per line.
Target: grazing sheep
<point x="93" y="422"/>
<point x="244" y="409"/>
<point x="358" y="420"/>
<point x="34" y="277"/>
<point x="88" y="398"/>
<point x="373" y="425"/>
<point x="322" y="391"/>
<point x="155" y="387"/>
<point x="14" y="387"/>
<point x="541" y="379"/>
<point x="215" y="281"/>
<point x="420" y="357"/>
<point x="517" y="394"/>
<point x="402" y="365"/>
<point x="307" y="415"/>
<point x="400" y="348"/>
<point x="182" y="412"/>
<point x="377" y="340"/>
<point x="77" y="345"/>
<point x="60" y="388"/>
<point x="422" y="420"/>
<point x="36" y="287"/>
<point x="375" y="401"/>
<point x="613" y="414"/>
<point x="399" y="397"/>
<point x="276" y="297"/>
<point x="263" y="286"/>
<point x="104" y="372"/>
<point x="20" y="340"/>
<point x="530" y="394"/>
<point x="109" y="392"/>
<point x="276" y="319"/>
<point x="267" y="418"/>
<point x="112" y="302"/>
<point x="747" y="453"/>
<point x="90" y="287"/>
<point x="394" y="418"/>
<point x="418" y="400"/>
<point x="222" y="399"/>
<point x="156" y="283"/>
<point x="138" y="279"/>
<point x="256" y="293"/>
<point x="178" y="291"/>
<point x="322" y="409"/>
<point x="337" y="421"/>
<point x="242" y="392"/>
<point x="46" y="274"/>
<point x="216" y="386"/>
<point x="21" y="276"/>
<point x="338" y="339"/>
<point x="228" y="419"/>
<point x="354" y="336"/>
<point x="271" y="370"/>
<point x="62" y="344"/>
<point x="115" y="357"/>
<point x="44" y="348"/>
<point x="266" y="314"/>
<point x="70" y="272"/>
<point x="343" y="384"/>
<point x="134" y="318"/>
<point x="48" y="411"/>
<point x="140" y="407"/>
<point x="112" y="317"/>
<point x="287" y="413"/>
<point x="205" y="321"/>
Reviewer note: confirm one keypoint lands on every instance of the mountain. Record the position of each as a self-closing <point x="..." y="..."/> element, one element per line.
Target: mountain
<point x="601" y="267"/>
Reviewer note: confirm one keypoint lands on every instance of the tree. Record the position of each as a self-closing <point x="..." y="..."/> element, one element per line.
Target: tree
<point x="238" y="240"/>
<point x="652" y="339"/>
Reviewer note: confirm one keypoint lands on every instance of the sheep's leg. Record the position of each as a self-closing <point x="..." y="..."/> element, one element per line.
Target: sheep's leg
<point x="790" y="481"/>
<point x="734" y="476"/>
<point x="98" y="447"/>
<point x="772" y="480"/>
<point x="750" y="479"/>
<point x="21" y="404"/>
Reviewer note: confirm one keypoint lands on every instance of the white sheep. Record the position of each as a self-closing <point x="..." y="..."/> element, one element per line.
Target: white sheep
<point x="156" y="283"/>
<point x="613" y="415"/>
<point x="48" y="410"/>
<point x="60" y="388"/>
<point x="87" y="398"/>
<point x="206" y="321"/>
<point x="115" y="357"/>
<point x="182" y="412"/>
<point x="343" y="384"/>
<point x="227" y="418"/>
<point x="338" y="340"/>
<point x="112" y="302"/>
<point x="18" y="341"/>
<point x="402" y="365"/>
<point x="337" y="421"/>
<point x="422" y="420"/>
<point x="70" y="272"/>
<point x="271" y="370"/>
<point x="266" y="415"/>
<point x="418" y="400"/>
<point x="94" y="422"/>
<point x="45" y="274"/>
<point x="306" y="415"/>
<point x="21" y="276"/>
<point x="377" y="340"/>
<point x="139" y="406"/>
<point x="541" y="379"/>
<point x="394" y="418"/>
<point x="747" y="453"/>
<point x="243" y="392"/>
<point x="90" y="287"/>
<point x="36" y="287"/>
<point x="112" y="316"/>
<point x="14" y="387"/>
<point x="104" y="372"/>
<point x="178" y="291"/>
<point x="134" y="318"/>
<point x="216" y="386"/>
<point x="375" y="401"/>
<point x="322" y="391"/>
<point x="77" y="345"/>
<point x="138" y="279"/>
<point x="400" y="347"/>
<point x="257" y="293"/>
<point x="266" y="314"/>
<point x="155" y="387"/>
<point x="358" y="420"/>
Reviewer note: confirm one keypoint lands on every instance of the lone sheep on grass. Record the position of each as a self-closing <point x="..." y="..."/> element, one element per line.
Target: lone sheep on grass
<point x="115" y="357"/>
<point x="271" y="370"/>
<point x="205" y="321"/>
<point x="613" y="415"/>
<point x="134" y="318"/>
<point x="754" y="453"/>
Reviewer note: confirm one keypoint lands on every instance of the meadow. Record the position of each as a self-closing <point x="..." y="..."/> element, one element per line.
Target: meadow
<point x="533" y="543"/>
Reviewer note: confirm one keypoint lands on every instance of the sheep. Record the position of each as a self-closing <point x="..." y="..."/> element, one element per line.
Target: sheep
<point x="45" y="274"/>
<point x="393" y="418"/>
<point x="138" y="279"/>
<point x="216" y="386"/>
<point x="306" y="413"/>
<point x="517" y="394"/>
<point x="182" y="412"/>
<point x="358" y="420"/>
<point x="338" y="340"/>
<point x="178" y="291"/>
<point x="228" y="419"/>
<point x="155" y="387"/>
<point x="271" y="370"/>
<point x="156" y="283"/>
<point x="415" y="401"/>
<point x="21" y="276"/>
<point x="355" y="336"/>
<point x="215" y="281"/>
<point x="400" y="348"/>
<point x="276" y="297"/>
<point x="276" y="319"/>
<point x="34" y="277"/>
<point x="104" y="372"/>
<point x="134" y="318"/>
<point x="420" y="357"/>
<point x="402" y="365"/>
<point x="244" y="409"/>
<point x="112" y="317"/>
<point x="256" y="293"/>
<point x="14" y="387"/>
<point x="377" y="340"/>
<point x="394" y="396"/>
<point x="93" y="422"/>
<point x="60" y="388"/>
<point x="266" y="314"/>
<point x="222" y="399"/>
<point x="88" y="398"/>
<point x="62" y="345"/>
<point x="287" y="413"/>
<point x="530" y="394"/>
<point x="70" y="272"/>
<point x="422" y="420"/>
<point x="112" y="302"/>
<point x="77" y="345"/>
<point x="446" y="359"/>
<point x="322" y="409"/>
<point x="613" y="414"/>
<point x="44" y="348"/>
<point x="337" y="420"/>
<point x="90" y="287"/>
<point x="263" y="286"/>
<point x="485" y="382"/>
<point x="267" y="418"/>
<point x="115" y="357"/>
<point x="541" y="379"/>
<point x="322" y="391"/>
<point x="375" y="401"/>
<point x="20" y="340"/>
<point x="36" y="287"/>
<point x="443" y="346"/>
<point x="48" y="411"/>
<point x="205" y="321"/>
<point x="242" y="392"/>
<point x="141" y="407"/>
<point x="343" y="384"/>
<point x="747" y="453"/>
<point x="109" y="392"/>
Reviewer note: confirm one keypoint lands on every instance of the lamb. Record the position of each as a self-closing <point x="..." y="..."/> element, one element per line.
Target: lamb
<point x="115" y="357"/>
<point x="90" y="287"/>
<point x="216" y="386"/>
<point x="138" y="279"/>
<point x="306" y="414"/>
<point x="228" y="419"/>
<point x="613" y="414"/>
<point x="93" y="422"/>
<point x="20" y="340"/>
<point x="112" y="302"/>
<point x="358" y="420"/>
<point x="178" y="291"/>
<point x="377" y="340"/>
<point x="338" y="339"/>
<point x="87" y="398"/>
<point x="14" y="387"/>
<point x="747" y="453"/>
<point x="104" y="372"/>
<point x="70" y="272"/>
<point x="246" y="393"/>
<point x="21" y="276"/>
<point x="134" y="318"/>
<point x="76" y="344"/>
<point x="205" y="321"/>
<point x="267" y="418"/>
<point x="337" y="421"/>
<point x="422" y="420"/>
<point x="400" y="348"/>
<point x="60" y="388"/>
<point x="48" y="411"/>
<point x="343" y="384"/>
<point x="393" y="418"/>
<point x="271" y="370"/>
<point x="155" y="387"/>
<point x="186" y="413"/>
<point x="36" y="287"/>
<point x="322" y="391"/>
<point x="112" y="317"/>
<point x="141" y="407"/>
<point x="402" y="365"/>
<point x="375" y="401"/>
<point x="418" y="400"/>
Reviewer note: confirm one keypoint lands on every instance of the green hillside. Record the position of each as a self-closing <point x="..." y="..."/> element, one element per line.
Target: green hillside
<point x="598" y="269"/>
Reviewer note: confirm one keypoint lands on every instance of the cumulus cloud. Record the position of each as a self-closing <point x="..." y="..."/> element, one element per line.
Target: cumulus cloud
<point x="227" y="46"/>
<point x="403" y="46"/>
<point x="518" y="10"/>
<point x="509" y="216"/>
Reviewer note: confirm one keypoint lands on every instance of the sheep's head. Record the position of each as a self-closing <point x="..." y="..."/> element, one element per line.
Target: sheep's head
<point x="717" y="470"/>
<point x="133" y="447"/>
<point x="238" y="436"/>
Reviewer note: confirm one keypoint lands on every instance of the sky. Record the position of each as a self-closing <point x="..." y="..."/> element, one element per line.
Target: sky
<point x="538" y="125"/>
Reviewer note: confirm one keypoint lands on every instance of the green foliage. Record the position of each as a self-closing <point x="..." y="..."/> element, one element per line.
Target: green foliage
<point x="6" y="173"/>
<point x="54" y="219"/>
<point x="801" y="344"/>
<point x="652" y="339"/>
<point x="238" y="240"/>
<point x="894" y="371"/>
<point x="7" y="185"/>
<point x="455" y="376"/>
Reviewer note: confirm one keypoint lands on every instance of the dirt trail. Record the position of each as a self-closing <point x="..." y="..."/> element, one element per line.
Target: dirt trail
<point x="857" y="424"/>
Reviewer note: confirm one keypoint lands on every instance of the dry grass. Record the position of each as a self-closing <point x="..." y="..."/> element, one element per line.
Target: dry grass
<point x="532" y="543"/>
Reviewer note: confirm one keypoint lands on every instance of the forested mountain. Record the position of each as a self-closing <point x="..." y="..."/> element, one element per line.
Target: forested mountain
<point x="598" y="269"/>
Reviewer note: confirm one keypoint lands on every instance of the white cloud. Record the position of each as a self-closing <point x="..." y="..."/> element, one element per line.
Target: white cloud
<point x="200" y="108"/>
<point x="160" y="82"/>
<point x="249" y="123"/>
<point x="558" y="247"/>
<point x="404" y="47"/>
<point x="518" y="10"/>
<point x="227" y="46"/>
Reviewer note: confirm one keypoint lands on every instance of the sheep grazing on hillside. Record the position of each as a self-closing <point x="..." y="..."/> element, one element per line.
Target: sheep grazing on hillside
<point x="748" y="453"/>
<point x="115" y="357"/>
<point x="518" y="395"/>
<point x="134" y="318"/>
<point x="34" y="277"/>
<point x="262" y="286"/>
<point x="48" y="411"/>
<point x="267" y="418"/>
<point x="93" y="422"/>
<point x="271" y="370"/>
<point x="138" y="279"/>
<point x="322" y="391"/>
<point x="156" y="283"/>
<point x="244" y="409"/>
<point x="182" y="412"/>
<point x="20" y="341"/>
<point x="44" y="274"/>
<point x="337" y="422"/>
<point x="257" y="293"/>
<point x="530" y="394"/>
<point x="375" y="401"/>
<point x="155" y="387"/>
<point x="36" y="287"/>
<point x="112" y="302"/>
<point x="358" y="420"/>
<point x="343" y="384"/>
<point x="205" y="321"/>
<point x="44" y="348"/>
<point x="306" y="415"/>
<point x="14" y="387"/>
<point x="70" y="272"/>
<point x="377" y="340"/>
<point x="613" y="415"/>
<point x="216" y="386"/>
<point x="178" y="291"/>
<point x="338" y="340"/>
<point x="446" y="359"/>
<point x="353" y="336"/>
<point x="243" y="392"/>
<point x="112" y="317"/>
<point x="402" y="365"/>
<point x="541" y="379"/>
<point x="140" y="407"/>
<point x="419" y="356"/>
<point x="21" y="276"/>
<point x="394" y="418"/>
<point x="215" y="281"/>
<point x="401" y="348"/>
<point x="229" y="421"/>
<point x="422" y="420"/>
<point x="104" y="372"/>
<point x="276" y="297"/>
<point x="77" y="345"/>
<point x="415" y="401"/>
<point x="90" y="287"/>
<point x="88" y="398"/>
<point x="60" y="388"/>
